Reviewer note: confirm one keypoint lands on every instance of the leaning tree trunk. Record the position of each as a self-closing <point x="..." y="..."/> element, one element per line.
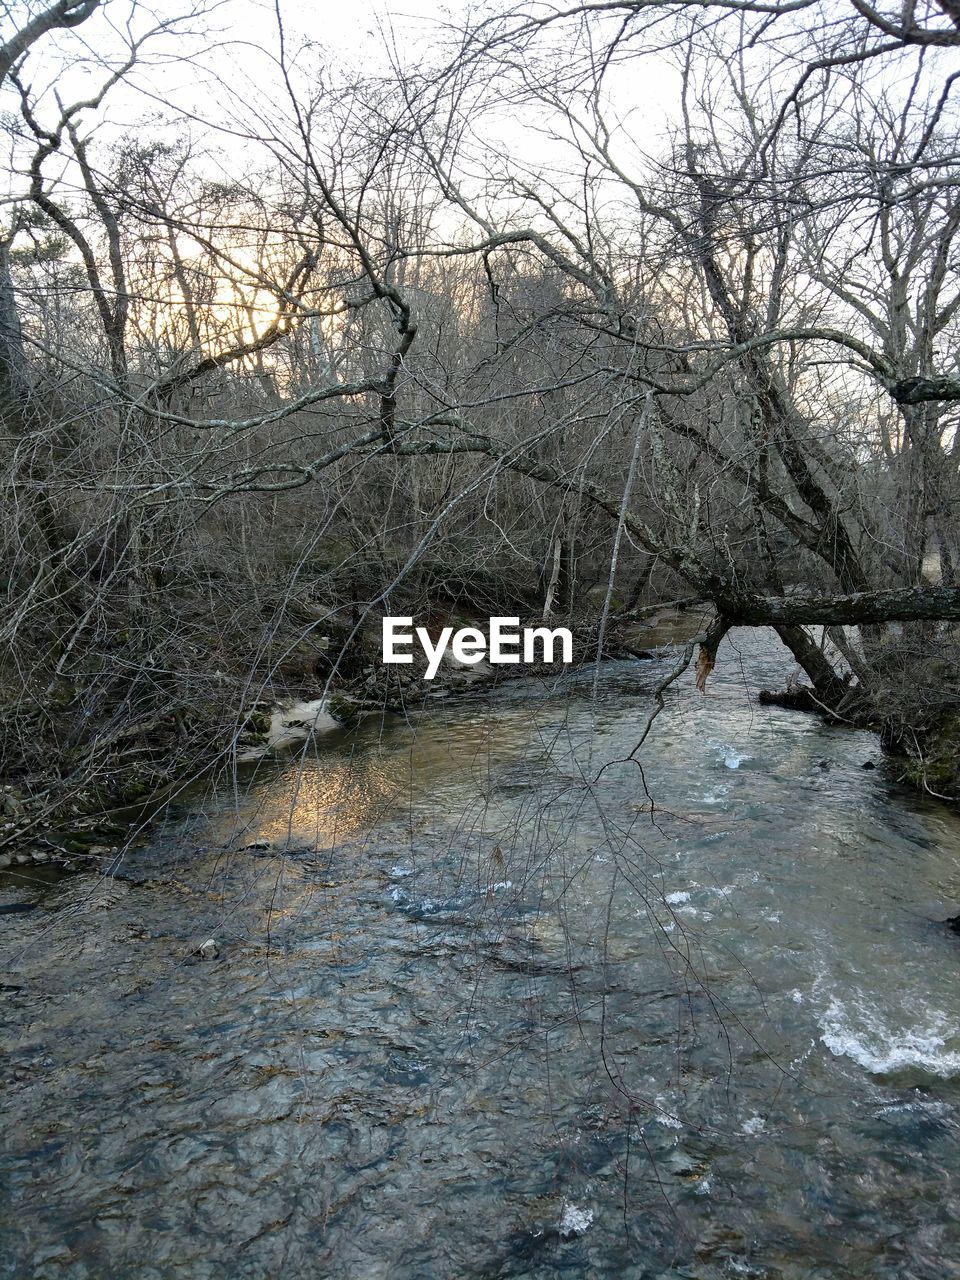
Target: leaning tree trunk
<point x="828" y="687"/>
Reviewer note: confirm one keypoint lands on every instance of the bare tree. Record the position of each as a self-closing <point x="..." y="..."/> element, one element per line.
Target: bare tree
<point x="721" y="361"/>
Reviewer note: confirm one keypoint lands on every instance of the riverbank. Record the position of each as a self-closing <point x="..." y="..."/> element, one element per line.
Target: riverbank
<point x="333" y="679"/>
<point x="82" y="801"/>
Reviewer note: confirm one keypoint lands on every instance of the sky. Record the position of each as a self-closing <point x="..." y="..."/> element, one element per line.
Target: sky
<point x="232" y="53"/>
<point x="220" y="69"/>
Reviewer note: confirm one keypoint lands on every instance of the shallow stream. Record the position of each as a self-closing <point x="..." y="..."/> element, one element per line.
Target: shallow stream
<point x="473" y="1010"/>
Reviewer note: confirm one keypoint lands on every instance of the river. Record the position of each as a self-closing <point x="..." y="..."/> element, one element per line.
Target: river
<point x="474" y="1010"/>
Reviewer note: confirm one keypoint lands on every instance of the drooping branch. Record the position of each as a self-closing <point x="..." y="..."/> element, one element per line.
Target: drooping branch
<point x="709" y="644"/>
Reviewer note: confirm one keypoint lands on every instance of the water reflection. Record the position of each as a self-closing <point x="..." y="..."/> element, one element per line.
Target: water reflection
<point x="327" y="800"/>
<point x="326" y="795"/>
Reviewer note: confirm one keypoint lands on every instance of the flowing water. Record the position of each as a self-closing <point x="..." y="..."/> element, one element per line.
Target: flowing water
<point x="476" y="1011"/>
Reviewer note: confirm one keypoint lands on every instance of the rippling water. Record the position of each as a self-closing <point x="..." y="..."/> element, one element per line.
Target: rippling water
<point x="481" y="1009"/>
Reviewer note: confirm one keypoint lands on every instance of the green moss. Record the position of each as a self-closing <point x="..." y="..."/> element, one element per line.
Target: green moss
<point x="344" y="710"/>
<point x="937" y="767"/>
<point x="256" y="724"/>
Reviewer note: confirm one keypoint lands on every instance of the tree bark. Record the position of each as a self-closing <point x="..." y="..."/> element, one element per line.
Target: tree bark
<point x="919" y="390"/>
<point x="905" y="604"/>
<point x="13" y="375"/>
<point x="828" y="686"/>
<point x="65" y="13"/>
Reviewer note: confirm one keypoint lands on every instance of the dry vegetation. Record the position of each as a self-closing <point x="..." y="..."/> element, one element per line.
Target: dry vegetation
<point x="383" y="365"/>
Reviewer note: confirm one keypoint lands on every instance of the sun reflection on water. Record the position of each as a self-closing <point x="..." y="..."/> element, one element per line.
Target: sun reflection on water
<point x="325" y="797"/>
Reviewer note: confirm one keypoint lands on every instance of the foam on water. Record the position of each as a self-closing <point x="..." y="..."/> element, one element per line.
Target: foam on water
<point x="574" y="1221"/>
<point x="433" y="906"/>
<point x="732" y="757"/>
<point x="913" y="1106"/>
<point x="849" y="1029"/>
<point x="665" y="1114"/>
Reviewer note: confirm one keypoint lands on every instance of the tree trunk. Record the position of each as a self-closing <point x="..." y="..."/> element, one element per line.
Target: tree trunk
<point x="14" y="383"/>
<point x="828" y="687"/>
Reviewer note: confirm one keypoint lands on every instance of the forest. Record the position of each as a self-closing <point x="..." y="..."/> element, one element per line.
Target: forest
<point x="632" y="324"/>
<point x="472" y="333"/>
